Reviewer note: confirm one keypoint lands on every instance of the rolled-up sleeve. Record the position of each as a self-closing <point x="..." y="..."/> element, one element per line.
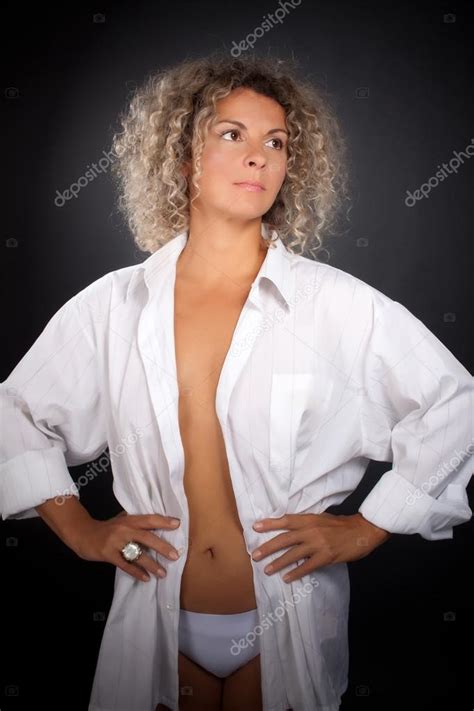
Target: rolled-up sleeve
<point x="51" y="412"/>
<point x="417" y="412"/>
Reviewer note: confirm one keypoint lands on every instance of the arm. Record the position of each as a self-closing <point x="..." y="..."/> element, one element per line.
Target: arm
<point x="375" y="535"/>
<point x="51" y="412"/>
<point x="417" y="411"/>
<point x="66" y="517"/>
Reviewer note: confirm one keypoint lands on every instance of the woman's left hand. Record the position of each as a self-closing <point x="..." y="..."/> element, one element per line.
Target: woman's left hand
<point x="323" y="539"/>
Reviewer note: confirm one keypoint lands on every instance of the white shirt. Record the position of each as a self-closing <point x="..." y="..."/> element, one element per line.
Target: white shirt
<point x="324" y="373"/>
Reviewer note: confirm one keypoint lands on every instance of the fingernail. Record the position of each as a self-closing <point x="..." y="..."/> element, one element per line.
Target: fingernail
<point x="174" y="521"/>
<point x="258" y="525"/>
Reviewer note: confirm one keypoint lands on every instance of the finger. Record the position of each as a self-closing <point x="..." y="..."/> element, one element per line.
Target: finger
<point x="151" y="540"/>
<point x="288" y="521"/>
<point x="148" y="565"/>
<point x="309" y="566"/>
<point x="292" y="556"/>
<point x="131" y="568"/>
<point x="270" y="524"/>
<point x="152" y="521"/>
<point x="283" y="540"/>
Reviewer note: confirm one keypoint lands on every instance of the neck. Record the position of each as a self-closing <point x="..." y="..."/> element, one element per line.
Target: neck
<point x="217" y="252"/>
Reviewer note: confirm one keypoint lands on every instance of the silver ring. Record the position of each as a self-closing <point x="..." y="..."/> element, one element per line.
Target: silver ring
<point x="131" y="551"/>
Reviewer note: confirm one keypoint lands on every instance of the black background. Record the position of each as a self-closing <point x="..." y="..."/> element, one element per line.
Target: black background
<point x="400" y="79"/>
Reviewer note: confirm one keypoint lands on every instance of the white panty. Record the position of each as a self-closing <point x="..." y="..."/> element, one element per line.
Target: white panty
<point x="218" y="643"/>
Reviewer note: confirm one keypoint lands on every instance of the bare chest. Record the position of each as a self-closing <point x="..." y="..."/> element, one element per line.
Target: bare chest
<point x="204" y="326"/>
<point x="217" y="576"/>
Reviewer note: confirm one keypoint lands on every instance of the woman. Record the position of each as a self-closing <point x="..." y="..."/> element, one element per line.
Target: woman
<point x="260" y="383"/>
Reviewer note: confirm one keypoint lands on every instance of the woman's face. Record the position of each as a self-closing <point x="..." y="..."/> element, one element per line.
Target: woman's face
<point x="255" y="151"/>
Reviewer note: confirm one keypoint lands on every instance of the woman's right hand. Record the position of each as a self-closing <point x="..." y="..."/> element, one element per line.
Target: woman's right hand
<point x="103" y="541"/>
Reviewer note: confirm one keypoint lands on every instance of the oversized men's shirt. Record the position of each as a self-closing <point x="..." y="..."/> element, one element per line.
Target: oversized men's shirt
<point x="324" y="373"/>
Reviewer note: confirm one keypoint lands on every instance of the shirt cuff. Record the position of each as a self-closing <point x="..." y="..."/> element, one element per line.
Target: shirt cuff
<point x="32" y="478"/>
<point x="397" y="506"/>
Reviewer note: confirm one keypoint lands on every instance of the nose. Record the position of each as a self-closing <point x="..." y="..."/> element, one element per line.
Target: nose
<point x="255" y="157"/>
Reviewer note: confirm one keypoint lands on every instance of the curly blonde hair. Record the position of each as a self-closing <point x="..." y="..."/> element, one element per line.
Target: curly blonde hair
<point x="165" y="126"/>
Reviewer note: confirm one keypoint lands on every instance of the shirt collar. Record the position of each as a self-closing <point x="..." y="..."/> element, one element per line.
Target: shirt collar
<point x="276" y="267"/>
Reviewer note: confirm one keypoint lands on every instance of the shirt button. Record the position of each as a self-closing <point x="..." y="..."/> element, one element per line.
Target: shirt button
<point x="181" y="550"/>
<point x="169" y="606"/>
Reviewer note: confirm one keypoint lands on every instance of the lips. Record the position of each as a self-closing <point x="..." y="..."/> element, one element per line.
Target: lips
<point x="252" y="186"/>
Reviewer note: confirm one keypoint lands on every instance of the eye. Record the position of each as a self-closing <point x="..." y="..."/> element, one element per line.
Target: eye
<point x="235" y="130"/>
<point x="279" y="141"/>
<point x="230" y="130"/>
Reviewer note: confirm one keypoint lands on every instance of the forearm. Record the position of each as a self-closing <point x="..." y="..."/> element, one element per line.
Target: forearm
<point x="66" y="518"/>
<point x="375" y="535"/>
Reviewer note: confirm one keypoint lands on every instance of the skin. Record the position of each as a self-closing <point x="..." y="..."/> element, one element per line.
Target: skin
<point x="214" y="272"/>
<point x="225" y="244"/>
<point x="225" y="221"/>
<point x="323" y="539"/>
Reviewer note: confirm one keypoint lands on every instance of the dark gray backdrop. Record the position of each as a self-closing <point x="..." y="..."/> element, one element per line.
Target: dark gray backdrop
<point x="400" y="79"/>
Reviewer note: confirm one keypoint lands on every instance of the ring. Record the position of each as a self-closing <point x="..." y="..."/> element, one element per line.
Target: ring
<point x="131" y="551"/>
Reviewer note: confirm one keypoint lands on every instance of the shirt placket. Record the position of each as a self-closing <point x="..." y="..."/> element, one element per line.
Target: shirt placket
<point x="156" y="343"/>
<point x="243" y="341"/>
<point x="156" y="340"/>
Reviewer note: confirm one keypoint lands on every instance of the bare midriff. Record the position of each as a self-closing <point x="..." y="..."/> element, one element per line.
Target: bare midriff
<point x="217" y="576"/>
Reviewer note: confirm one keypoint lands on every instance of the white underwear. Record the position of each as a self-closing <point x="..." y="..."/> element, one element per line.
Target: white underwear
<point x="218" y="643"/>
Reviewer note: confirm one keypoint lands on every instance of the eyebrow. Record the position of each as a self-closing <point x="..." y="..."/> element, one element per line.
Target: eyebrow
<point x="241" y="125"/>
